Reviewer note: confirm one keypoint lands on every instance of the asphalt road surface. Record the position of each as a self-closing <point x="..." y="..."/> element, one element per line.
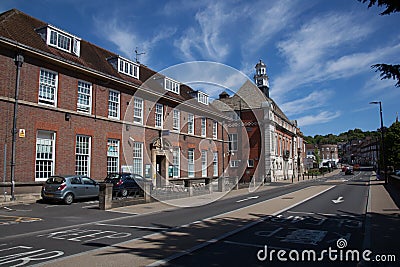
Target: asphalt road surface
<point x="240" y="231"/>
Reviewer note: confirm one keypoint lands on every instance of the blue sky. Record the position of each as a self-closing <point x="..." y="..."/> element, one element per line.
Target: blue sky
<point x="318" y="52"/>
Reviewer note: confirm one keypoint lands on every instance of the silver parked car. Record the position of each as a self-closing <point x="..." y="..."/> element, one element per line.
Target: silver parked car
<point x="67" y="188"/>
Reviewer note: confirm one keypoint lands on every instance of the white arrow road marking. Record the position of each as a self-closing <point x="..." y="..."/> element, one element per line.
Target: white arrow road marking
<point x="247" y="198"/>
<point x="338" y="200"/>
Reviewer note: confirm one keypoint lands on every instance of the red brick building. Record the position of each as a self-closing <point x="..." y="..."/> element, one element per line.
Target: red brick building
<point x="82" y="109"/>
<point x="271" y="146"/>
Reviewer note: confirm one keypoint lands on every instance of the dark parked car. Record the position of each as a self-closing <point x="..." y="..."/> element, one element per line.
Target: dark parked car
<point x="125" y="184"/>
<point x="67" y="188"/>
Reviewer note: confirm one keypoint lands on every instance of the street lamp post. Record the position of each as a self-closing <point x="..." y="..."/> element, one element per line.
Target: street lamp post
<point x="382" y="139"/>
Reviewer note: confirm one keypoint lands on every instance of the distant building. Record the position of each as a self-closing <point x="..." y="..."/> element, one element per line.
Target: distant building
<point x="329" y="155"/>
<point x="364" y="152"/>
<point x="309" y="161"/>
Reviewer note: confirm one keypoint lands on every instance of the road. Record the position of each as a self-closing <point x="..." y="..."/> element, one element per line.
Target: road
<point x="311" y="215"/>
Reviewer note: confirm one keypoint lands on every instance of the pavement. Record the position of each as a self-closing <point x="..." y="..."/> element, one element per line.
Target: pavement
<point x="383" y="220"/>
<point x="28" y="198"/>
<point x="381" y="229"/>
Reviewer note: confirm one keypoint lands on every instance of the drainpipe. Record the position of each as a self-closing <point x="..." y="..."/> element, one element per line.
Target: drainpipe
<point x="19" y="60"/>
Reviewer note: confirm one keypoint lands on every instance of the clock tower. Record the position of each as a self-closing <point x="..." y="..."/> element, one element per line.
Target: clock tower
<point x="261" y="78"/>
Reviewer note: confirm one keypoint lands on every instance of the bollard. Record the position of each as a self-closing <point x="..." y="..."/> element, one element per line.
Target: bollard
<point x="237" y="183"/>
<point x="221" y="184"/>
<point x="208" y="183"/>
<point x="190" y="184"/>
<point x="105" y="196"/>
<point x="147" y="192"/>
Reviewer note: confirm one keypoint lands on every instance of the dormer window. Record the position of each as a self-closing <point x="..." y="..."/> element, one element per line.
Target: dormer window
<point x="202" y="97"/>
<point x="125" y="66"/>
<point x="171" y="85"/>
<point x="60" y="39"/>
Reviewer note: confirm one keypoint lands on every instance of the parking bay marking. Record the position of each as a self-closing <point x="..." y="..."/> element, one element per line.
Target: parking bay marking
<point x="85" y="235"/>
<point x="8" y="219"/>
<point x="23" y="255"/>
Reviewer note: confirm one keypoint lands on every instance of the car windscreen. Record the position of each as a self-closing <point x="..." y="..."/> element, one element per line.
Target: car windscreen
<point x="55" y="180"/>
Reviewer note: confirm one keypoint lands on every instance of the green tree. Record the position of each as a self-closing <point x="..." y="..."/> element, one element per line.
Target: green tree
<point x="391" y="6"/>
<point x="317" y="157"/>
<point x="387" y="71"/>
<point x="392" y="145"/>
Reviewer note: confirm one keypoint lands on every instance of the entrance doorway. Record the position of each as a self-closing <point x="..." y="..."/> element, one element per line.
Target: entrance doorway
<point x="161" y="170"/>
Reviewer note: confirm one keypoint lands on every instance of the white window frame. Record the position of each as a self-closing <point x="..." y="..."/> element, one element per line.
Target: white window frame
<point x="114" y="101"/>
<point x="128" y="67"/>
<point x="190" y="123"/>
<point x="215" y="129"/>
<point x="58" y="40"/>
<point x="176" y="162"/>
<point x="62" y="40"/>
<point x="191" y="171"/>
<point x="112" y="155"/>
<point x="171" y="85"/>
<point x="138" y="110"/>
<point x="159" y="116"/>
<point x="202" y="97"/>
<point x="203" y="126"/>
<point x="137" y="157"/>
<point x="83" y="154"/>
<point x="233" y="142"/>
<point x="176" y="120"/>
<point x="48" y="86"/>
<point x="250" y="163"/>
<point x="204" y="163"/>
<point x="85" y="94"/>
<point x="234" y="163"/>
<point x="215" y="164"/>
<point x="45" y="154"/>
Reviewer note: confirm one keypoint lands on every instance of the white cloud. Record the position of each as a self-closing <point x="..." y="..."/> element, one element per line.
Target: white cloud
<point x="126" y="39"/>
<point x="267" y="20"/>
<point x="375" y="87"/>
<point x="322" y="117"/>
<point x="315" y="52"/>
<point x="205" y="39"/>
<point x="314" y="100"/>
<point x="211" y="77"/>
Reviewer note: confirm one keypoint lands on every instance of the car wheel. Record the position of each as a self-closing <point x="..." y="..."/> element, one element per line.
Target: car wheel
<point x="124" y="192"/>
<point x="69" y="198"/>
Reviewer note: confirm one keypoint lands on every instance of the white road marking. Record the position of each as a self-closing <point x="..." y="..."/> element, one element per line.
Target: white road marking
<point x="300" y="212"/>
<point x="135" y="226"/>
<point x="50" y="206"/>
<point x="90" y="206"/>
<point x="254" y="245"/>
<point x="182" y="226"/>
<point x="247" y="198"/>
<point x="338" y="200"/>
<point x="237" y="230"/>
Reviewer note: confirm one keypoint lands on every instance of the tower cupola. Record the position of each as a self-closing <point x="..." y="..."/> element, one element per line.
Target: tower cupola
<point x="261" y="77"/>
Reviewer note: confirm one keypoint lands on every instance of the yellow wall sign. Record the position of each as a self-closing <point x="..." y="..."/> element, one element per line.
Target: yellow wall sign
<point x="22" y="133"/>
